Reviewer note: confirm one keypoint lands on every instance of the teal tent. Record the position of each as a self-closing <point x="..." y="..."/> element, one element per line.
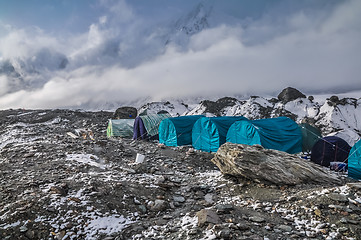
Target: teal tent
<point x="209" y="133"/>
<point x="310" y="135"/>
<point x="177" y="131"/>
<point x="281" y="133"/>
<point x="120" y="128"/>
<point x="354" y="161"/>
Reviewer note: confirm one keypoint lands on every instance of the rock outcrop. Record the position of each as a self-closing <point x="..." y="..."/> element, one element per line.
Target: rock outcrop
<point x="290" y="94"/>
<point x="268" y="166"/>
<point x="125" y="113"/>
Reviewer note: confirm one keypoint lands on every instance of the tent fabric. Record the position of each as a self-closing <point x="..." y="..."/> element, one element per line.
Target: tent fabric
<point x="354" y="161"/>
<point x="177" y="131"/>
<point x="147" y="126"/>
<point x="281" y="134"/>
<point x="209" y="133"/>
<point x="330" y="149"/>
<point x="310" y="135"/>
<point x="139" y="131"/>
<point x="120" y="128"/>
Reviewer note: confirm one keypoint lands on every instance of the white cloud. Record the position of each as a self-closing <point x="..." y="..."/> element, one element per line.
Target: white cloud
<point x="307" y="52"/>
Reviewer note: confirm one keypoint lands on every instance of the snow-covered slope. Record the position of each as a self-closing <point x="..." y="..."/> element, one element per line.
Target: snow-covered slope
<point x="334" y="116"/>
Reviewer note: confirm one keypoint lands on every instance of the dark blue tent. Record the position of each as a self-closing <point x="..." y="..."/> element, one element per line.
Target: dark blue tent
<point x="209" y="133"/>
<point x="139" y="131"/>
<point x="354" y="161"/>
<point x="330" y="149"/>
<point x="281" y="133"/>
<point x="177" y="131"/>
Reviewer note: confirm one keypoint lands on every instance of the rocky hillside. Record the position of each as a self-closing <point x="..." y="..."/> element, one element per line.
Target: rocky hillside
<point x="61" y="178"/>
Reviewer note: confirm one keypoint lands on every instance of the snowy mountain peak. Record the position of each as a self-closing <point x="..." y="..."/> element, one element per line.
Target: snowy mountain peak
<point x="195" y="21"/>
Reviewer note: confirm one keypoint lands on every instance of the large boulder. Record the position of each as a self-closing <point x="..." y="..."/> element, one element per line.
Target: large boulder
<point x="125" y="113"/>
<point x="290" y="94"/>
<point x="269" y="166"/>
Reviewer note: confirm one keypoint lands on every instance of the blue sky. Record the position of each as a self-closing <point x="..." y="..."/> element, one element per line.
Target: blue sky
<point x="247" y="47"/>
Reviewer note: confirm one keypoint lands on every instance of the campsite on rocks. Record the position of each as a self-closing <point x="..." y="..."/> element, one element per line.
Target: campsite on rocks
<point x="172" y="170"/>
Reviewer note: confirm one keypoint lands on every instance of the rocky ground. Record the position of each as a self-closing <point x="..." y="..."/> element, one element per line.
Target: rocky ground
<point x="61" y="178"/>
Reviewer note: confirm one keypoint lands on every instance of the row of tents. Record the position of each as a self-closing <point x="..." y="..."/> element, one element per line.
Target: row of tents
<point x="209" y="133"/>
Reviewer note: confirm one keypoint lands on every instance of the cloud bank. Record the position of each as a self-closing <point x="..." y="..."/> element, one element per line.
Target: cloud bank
<point x="122" y="58"/>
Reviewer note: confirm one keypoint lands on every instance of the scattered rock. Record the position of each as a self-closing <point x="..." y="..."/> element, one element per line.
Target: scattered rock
<point x="289" y="94"/>
<point x="159" y="205"/>
<point x="257" y="219"/>
<point x="207" y="216"/>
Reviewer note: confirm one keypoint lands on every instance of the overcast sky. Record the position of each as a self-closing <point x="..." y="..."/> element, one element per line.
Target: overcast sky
<point x="119" y="51"/>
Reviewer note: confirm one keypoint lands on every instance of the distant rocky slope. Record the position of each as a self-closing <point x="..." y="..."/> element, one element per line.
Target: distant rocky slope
<point x="332" y="115"/>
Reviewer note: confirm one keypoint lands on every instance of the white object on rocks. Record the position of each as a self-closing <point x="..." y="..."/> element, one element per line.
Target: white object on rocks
<point x="139" y="158"/>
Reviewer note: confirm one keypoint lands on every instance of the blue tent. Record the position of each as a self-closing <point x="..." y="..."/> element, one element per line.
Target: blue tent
<point x="330" y="149"/>
<point x="209" y="133"/>
<point x="177" y="131"/>
<point x="281" y="133"/>
<point x="354" y="161"/>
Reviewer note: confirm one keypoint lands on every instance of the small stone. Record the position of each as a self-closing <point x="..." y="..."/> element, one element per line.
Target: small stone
<point x="225" y="233"/>
<point x="257" y="219"/>
<point x="224" y="208"/>
<point x="58" y="190"/>
<point x="209" y="198"/>
<point x="285" y="228"/>
<point x="343" y="220"/>
<point x="161" y="146"/>
<point x="193" y="231"/>
<point x="317" y="212"/>
<point x="242" y="226"/>
<point x="337" y="197"/>
<point x="30" y="234"/>
<point x="159" y="205"/>
<point x="142" y="209"/>
<point x="179" y="199"/>
<point x="23" y="229"/>
<point x="207" y="216"/>
<point x="60" y="235"/>
<point x="343" y="229"/>
<point x="167" y="217"/>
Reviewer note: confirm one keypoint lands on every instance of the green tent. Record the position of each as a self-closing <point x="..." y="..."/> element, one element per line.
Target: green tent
<point x="354" y="161"/>
<point x="280" y="133"/>
<point x="120" y="128"/>
<point x="146" y="127"/>
<point x="209" y="133"/>
<point x="310" y="135"/>
<point x="177" y="131"/>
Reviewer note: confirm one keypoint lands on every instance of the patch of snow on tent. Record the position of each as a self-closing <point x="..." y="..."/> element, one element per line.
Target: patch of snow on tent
<point x="354" y="161"/>
<point x="177" y="131"/>
<point x="281" y="134"/>
<point x="330" y="149"/>
<point x="209" y="133"/>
